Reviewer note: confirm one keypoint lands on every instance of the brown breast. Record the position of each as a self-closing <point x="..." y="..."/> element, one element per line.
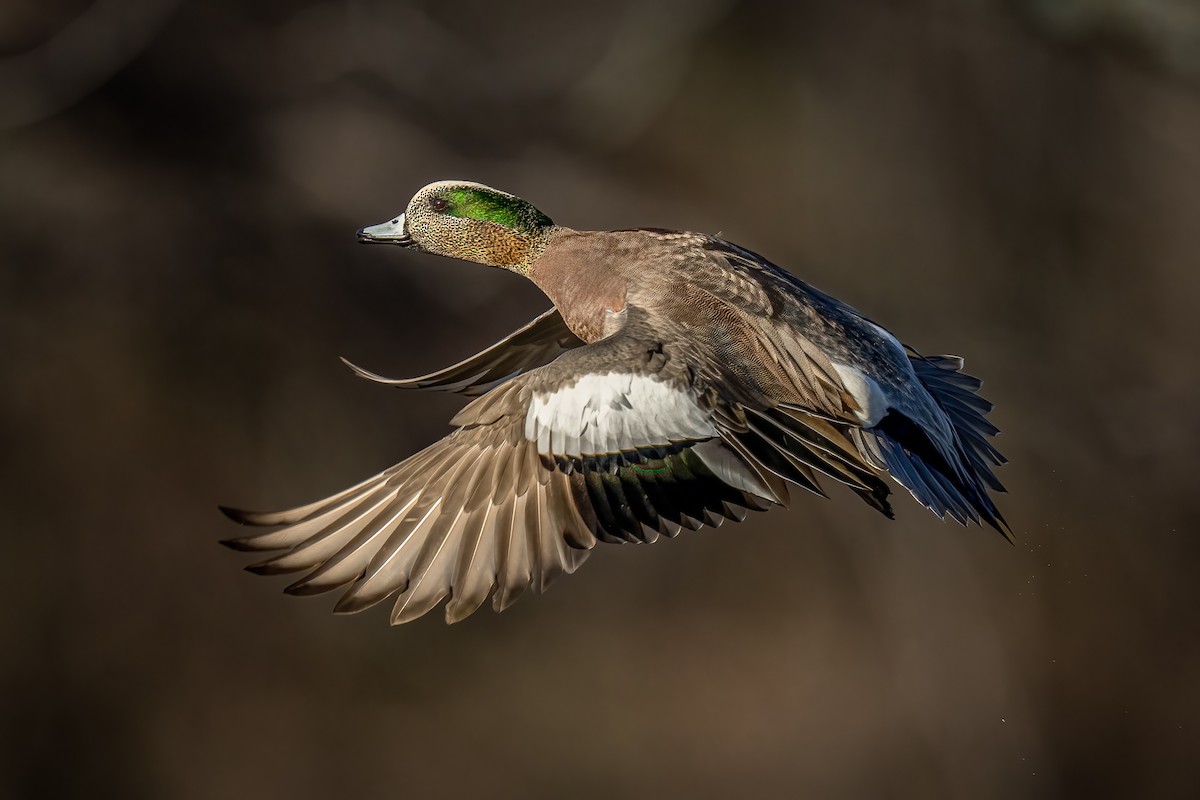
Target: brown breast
<point x="581" y="273"/>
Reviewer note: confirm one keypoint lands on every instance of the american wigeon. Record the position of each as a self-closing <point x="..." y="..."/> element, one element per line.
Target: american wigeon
<point x="678" y="380"/>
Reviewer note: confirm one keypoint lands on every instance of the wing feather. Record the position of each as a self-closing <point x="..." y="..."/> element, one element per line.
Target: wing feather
<point x="536" y="343"/>
<point x="613" y="441"/>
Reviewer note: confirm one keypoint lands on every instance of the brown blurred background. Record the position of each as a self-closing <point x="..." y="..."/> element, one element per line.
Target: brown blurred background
<point x="1017" y="182"/>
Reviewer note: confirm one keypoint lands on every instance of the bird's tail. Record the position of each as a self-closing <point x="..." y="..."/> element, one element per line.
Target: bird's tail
<point x="954" y="482"/>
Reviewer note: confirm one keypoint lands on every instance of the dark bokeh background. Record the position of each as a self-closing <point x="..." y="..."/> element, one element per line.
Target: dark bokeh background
<point x="1017" y="182"/>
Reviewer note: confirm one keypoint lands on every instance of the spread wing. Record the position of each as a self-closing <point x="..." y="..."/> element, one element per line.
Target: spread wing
<point x="621" y="440"/>
<point x="604" y="443"/>
<point x="535" y="344"/>
<point x="473" y="512"/>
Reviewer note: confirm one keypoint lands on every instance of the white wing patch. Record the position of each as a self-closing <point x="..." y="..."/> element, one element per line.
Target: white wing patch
<point x="865" y="391"/>
<point x="602" y="414"/>
<point x="872" y="399"/>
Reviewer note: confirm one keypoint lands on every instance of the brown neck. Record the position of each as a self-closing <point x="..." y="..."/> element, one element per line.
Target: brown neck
<point x="576" y="272"/>
<point x="502" y="247"/>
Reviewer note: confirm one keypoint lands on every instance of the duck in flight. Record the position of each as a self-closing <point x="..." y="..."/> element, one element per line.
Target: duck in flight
<point x="679" y="380"/>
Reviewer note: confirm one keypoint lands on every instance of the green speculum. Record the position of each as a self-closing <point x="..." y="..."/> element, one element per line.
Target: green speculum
<point x="511" y="212"/>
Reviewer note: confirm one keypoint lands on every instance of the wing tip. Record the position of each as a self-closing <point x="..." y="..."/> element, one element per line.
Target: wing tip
<point x="242" y="544"/>
<point x="259" y="569"/>
<point x="264" y="518"/>
<point x="302" y="588"/>
<point x="1001" y="524"/>
<point x="236" y="514"/>
<point x="365" y="374"/>
<point x="351" y="604"/>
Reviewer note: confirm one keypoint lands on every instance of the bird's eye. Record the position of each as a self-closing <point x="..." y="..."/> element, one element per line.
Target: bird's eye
<point x="438" y="204"/>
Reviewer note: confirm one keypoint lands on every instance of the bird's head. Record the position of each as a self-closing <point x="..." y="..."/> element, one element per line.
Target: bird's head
<point x="468" y="221"/>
